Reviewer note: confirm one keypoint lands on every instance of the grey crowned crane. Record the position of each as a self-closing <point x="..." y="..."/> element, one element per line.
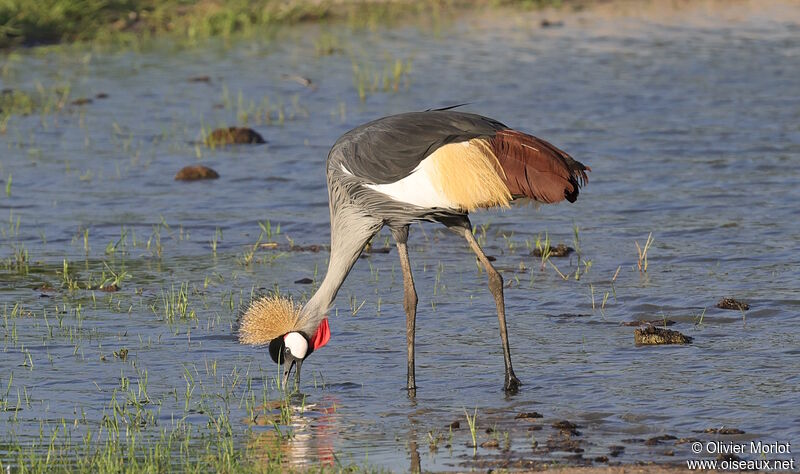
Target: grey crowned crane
<point x="437" y="165"/>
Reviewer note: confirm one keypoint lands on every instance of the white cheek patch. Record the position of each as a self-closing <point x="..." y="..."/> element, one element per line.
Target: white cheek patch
<point x="297" y="344"/>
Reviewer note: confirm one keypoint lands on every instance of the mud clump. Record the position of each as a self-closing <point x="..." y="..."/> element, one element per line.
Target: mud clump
<point x="81" y="101"/>
<point x="567" y="428"/>
<point x="724" y="431"/>
<point x="615" y="450"/>
<point x="566" y="445"/>
<point x="234" y="136"/>
<point x="304" y="281"/>
<point x="730" y="303"/>
<point x="195" y="173"/>
<point x="559" y="250"/>
<point x="490" y="444"/>
<point x="528" y="415"/>
<point x="658" y="439"/>
<point x="551" y="24"/>
<point x="686" y="440"/>
<point x="652" y="335"/>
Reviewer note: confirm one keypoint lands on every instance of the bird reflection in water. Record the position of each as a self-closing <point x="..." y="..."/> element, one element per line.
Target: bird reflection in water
<point x="306" y="440"/>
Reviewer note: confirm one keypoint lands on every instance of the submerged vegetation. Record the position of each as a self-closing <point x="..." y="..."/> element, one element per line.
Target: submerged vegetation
<point x="368" y="79"/>
<point x="43" y="100"/>
<point x="125" y="302"/>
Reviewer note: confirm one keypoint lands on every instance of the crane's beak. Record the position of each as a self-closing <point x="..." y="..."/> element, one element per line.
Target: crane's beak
<point x="287" y="369"/>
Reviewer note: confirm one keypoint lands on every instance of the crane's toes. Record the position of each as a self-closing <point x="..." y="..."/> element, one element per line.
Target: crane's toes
<point x="512" y="384"/>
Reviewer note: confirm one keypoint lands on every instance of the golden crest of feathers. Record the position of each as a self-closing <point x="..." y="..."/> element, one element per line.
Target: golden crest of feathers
<point x="267" y="318"/>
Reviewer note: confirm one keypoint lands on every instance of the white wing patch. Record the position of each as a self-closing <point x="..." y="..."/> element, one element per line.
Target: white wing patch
<point x="419" y="188"/>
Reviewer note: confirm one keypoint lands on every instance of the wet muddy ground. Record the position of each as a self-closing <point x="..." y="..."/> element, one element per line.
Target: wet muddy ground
<point x="120" y="286"/>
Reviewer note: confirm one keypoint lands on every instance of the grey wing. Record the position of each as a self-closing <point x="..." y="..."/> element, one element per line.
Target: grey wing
<point x="389" y="149"/>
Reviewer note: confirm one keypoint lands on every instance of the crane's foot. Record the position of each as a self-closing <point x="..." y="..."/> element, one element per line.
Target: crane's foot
<point x="512" y="383"/>
<point x="411" y="379"/>
<point x="411" y="388"/>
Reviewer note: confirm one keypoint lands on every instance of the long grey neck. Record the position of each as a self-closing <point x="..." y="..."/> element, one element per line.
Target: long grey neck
<point x="350" y="232"/>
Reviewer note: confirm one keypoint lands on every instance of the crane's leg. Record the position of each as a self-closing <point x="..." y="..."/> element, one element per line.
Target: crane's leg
<point x="409" y="303"/>
<point x="512" y="383"/>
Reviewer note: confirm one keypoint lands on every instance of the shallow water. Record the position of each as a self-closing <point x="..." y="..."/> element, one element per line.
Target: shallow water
<point x="688" y="117"/>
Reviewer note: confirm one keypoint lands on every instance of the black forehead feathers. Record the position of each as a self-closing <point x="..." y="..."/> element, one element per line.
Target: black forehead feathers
<point x="276" y="349"/>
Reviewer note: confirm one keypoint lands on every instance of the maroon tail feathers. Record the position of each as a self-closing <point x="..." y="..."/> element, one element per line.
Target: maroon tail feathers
<point x="536" y="169"/>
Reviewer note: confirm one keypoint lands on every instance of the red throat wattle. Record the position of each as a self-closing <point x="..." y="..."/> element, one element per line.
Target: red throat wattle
<point x="322" y="336"/>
